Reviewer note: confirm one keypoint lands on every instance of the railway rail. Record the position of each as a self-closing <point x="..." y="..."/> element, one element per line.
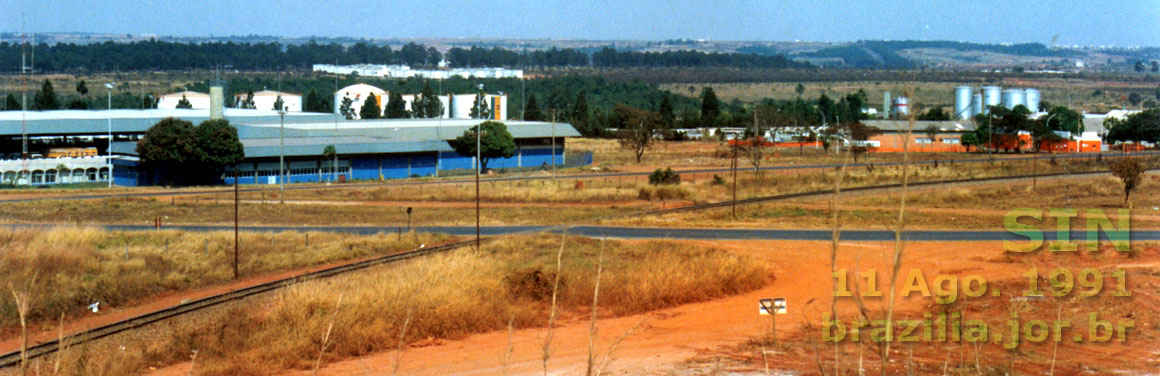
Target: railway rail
<point x="51" y="346"/>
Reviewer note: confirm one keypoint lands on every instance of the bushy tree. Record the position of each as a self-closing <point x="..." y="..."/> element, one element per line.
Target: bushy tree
<point x="934" y="114"/>
<point x="579" y="113"/>
<point x="313" y="102"/>
<point x="82" y="89"/>
<point x="184" y="103"/>
<point x="532" y="110"/>
<point x="370" y="108"/>
<point x="182" y="154"/>
<point x="396" y="107"/>
<point x="1141" y="126"/>
<point x="1128" y="170"/>
<point x="347" y="108"/>
<point x="45" y="98"/>
<point x="969" y="139"/>
<point x="11" y="104"/>
<point x="278" y="103"/>
<point x="427" y="104"/>
<point x="665" y="110"/>
<point x="496" y="142"/>
<point x="248" y="101"/>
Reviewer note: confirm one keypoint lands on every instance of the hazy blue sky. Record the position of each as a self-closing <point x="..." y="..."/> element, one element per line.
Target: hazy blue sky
<point x="1122" y="23"/>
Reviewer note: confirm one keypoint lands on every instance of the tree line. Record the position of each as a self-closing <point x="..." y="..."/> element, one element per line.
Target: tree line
<point x="162" y="55"/>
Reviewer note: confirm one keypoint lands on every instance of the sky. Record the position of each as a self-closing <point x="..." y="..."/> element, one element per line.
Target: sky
<point x="1077" y="22"/>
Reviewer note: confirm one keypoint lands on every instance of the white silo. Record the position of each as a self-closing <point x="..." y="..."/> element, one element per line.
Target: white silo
<point x="976" y="104"/>
<point x="990" y="97"/>
<point x="1013" y="98"/>
<point x="962" y="102"/>
<point x="901" y="107"/>
<point x="1031" y="99"/>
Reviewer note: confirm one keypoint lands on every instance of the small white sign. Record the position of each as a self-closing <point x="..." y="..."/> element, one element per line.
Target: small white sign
<point x="778" y="305"/>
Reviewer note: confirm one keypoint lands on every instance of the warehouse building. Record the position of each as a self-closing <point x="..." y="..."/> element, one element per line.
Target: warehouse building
<point x="199" y="101"/>
<point x="455" y="106"/>
<point x="366" y="149"/>
<point x="265" y="100"/>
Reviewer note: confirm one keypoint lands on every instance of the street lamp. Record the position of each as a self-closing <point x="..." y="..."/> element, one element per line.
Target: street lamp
<point x="281" y="150"/>
<point x="109" y="146"/>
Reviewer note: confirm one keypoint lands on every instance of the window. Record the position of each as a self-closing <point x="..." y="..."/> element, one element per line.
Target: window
<point x="951" y="141"/>
<point x="922" y="140"/>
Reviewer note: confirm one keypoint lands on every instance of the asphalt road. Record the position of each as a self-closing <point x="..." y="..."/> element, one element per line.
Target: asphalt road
<point x="641" y="232"/>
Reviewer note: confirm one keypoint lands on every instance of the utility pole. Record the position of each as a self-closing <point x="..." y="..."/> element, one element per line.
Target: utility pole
<point x="733" y="166"/>
<point x="478" y="163"/>
<point x="553" y="146"/>
<point x="282" y="152"/>
<point x="109" y="146"/>
<point x="236" y="222"/>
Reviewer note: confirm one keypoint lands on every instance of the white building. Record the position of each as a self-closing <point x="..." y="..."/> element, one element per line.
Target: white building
<point x="403" y="71"/>
<point x="265" y="99"/>
<point x="197" y="100"/>
<point x="358" y="93"/>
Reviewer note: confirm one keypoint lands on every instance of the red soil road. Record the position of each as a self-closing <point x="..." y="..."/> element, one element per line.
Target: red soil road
<point x="668" y="337"/>
<point x="47" y="331"/>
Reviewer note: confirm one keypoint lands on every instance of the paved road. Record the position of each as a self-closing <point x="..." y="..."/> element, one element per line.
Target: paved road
<point x="507" y="178"/>
<point x="642" y="232"/>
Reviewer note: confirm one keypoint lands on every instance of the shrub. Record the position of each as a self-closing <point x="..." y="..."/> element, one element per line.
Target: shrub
<point x="662" y="193"/>
<point x="666" y="176"/>
<point x="717" y="180"/>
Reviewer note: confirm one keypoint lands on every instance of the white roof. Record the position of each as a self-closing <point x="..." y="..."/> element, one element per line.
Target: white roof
<point x="361" y="88"/>
<point x="137" y="114"/>
<point x="187" y="94"/>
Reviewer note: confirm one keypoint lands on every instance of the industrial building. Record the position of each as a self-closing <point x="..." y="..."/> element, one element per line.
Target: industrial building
<point x="265" y="99"/>
<point x="196" y="100"/>
<point x="403" y="71"/>
<point x="455" y="106"/>
<point x="367" y="149"/>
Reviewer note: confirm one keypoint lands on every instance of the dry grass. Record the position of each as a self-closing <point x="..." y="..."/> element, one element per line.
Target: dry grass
<point x="77" y="267"/>
<point x="450" y="295"/>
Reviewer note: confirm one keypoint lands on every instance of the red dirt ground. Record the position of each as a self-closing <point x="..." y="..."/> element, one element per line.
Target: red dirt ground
<point x="668" y="338"/>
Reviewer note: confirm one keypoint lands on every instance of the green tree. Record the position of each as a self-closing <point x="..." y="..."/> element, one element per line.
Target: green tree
<point x="969" y="139"/>
<point x="347" y="108"/>
<point x="710" y="106"/>
<point x="370" y="108"/>
<point x="45" y="98"/>
<point x="329" y="152"/>
<point x="480" y="112"/>
<point x="934" y="114"/>
<point x="1140" y="66"/>
<point x="312" y="102"/>
<point x="532" y="110"/>
<point x="278" y="103"/>
<point x="82" y="88"/>
<point x="800" y="89"/>
<point x="496" y="142"/>
<point x="248" y="102"/>
<point x="217" y="147"/>
<point x="396" y="107"/>
<point x="168" y="147"/>
<point x="184" y="103"/>
<point x="665" y="110"/>
<point x="1064" y="119"/>
<point x="580" y="108"/>
<point x="1155" y="66"/>
<point x="11" y="104"/>
<point x="427" y="104"/>
<point x="1134" y="98"/>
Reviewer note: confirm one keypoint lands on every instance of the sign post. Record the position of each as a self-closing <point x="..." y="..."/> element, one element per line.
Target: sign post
<point x="772" y="307"/>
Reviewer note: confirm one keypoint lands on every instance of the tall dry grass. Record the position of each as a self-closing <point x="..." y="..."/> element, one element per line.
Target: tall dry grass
<point x="448" y="296"/>
<point x="78" y="267"/>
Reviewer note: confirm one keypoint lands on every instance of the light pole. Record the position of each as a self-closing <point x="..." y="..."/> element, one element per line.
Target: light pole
<point x="109" y="146"/>
<point x="282" y="150"/>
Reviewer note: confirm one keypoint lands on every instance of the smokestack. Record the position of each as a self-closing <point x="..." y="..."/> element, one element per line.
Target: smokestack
<point x="216" y="100"/>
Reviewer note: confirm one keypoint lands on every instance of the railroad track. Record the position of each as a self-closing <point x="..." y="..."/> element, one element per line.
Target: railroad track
<point x="51" y="346"/>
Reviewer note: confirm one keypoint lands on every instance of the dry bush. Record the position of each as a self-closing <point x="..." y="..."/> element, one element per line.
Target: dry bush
<point x="662" y="192"/>
<point x="450" y="295"/>
<point x="80" y="266"/>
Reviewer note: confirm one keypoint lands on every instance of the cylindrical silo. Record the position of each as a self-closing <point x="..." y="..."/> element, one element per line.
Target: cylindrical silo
<point x="1013" y="98"/>
<point x="991" y="97"/>
<point x="962" y="102"/>
<point x="1031" y="99"/>
<point x="901" y="107"/>
<point x="976" y="104"/>
<point x="886" y="105"/>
